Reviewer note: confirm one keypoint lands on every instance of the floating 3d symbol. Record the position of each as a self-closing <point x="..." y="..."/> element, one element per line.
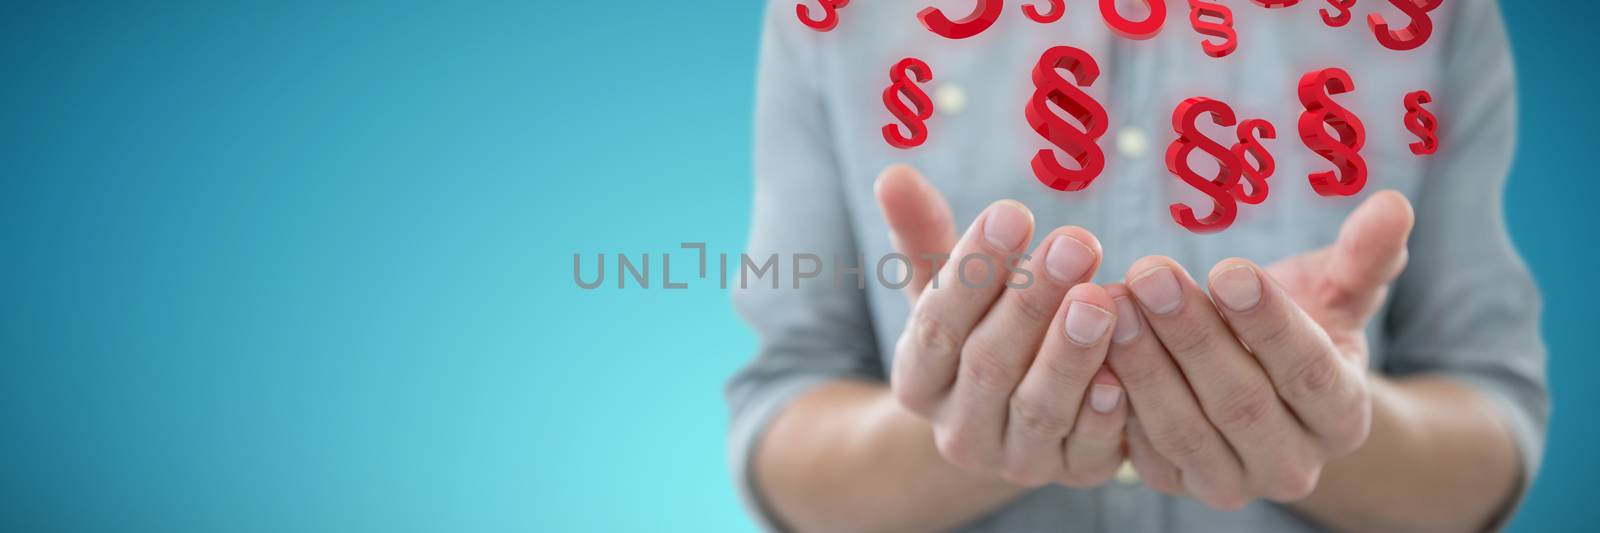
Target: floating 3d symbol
<point x="830" y="15"/>
<point x="983" y="15"/>
<point x="1317" y="89"/>
<point x="1214" y="20"/>
<point x="903" y="80"/>
<point x="1414" y="34"/>
<point x="1056" y="9"/>
<point x="1132" y="29"/>
<point x="1220" y="188"/>
<point x="1422" y="123"/>
<point x="1250" y="134"/>
<point x="1341" y="14"/>
<point x="1080" y="141"/>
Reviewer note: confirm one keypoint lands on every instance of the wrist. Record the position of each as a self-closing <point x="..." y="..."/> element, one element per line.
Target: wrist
<point x="1392" y="412"/>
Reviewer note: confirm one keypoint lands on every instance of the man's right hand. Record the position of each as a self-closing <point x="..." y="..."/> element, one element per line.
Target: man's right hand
<point x="1011" y="376"/>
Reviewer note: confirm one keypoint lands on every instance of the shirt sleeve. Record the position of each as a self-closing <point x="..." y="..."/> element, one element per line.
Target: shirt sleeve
<point x="813" y="332"/>
<point x="1467" y="306"/>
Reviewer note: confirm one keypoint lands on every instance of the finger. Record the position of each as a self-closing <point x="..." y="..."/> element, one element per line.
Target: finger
<point x="1234" y="391"/>
<point x="1046" y="403"/>
<point x="1094" y="449"/>
<point x="1325" y="391"/>
<point x="920" y="223"/>
<point x="1005" y="342"/>
<point x="1168" y="412"/>
<point x="929" y="348"/>
<point x="1370" y="253"/>
<point x="1154" y="469"/>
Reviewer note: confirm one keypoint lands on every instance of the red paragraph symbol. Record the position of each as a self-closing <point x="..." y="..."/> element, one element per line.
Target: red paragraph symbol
<point x="1344" y="150"/>
<point x="914" y="120"/>
<point x="1135" y="29"/>
<point x="1341" y="14"/>
<point x="1220" y="188"/>
<point x="830" y="15"/>
<point x="1056" y="10"/>
<point x="1422" y="123"/>
<point x="1079" y="143"/>
<point x="983" y="15"/>
<point x="1214" y="20"/>
<point x="1414" y="34"/>
<point x="1249" y="147"/>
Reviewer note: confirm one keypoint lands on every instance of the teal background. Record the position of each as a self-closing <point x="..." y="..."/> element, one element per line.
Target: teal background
<point x="305" y="266"/>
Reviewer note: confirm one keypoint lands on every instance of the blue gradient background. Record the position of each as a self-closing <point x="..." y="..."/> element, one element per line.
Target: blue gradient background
<point x="301" y="267"/>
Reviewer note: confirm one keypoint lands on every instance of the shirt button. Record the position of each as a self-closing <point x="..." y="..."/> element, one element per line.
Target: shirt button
<point x="1126" y="475"/>
<point x="950" y="99"/>
<point x="1131" y="142"/>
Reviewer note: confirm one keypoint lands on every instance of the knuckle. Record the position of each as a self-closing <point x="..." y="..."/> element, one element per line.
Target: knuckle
<point x="1292" y="483"/>
<point x="1024" y="475"/>
<point x="1064" y="369"/>
<point x="1136" y="370"/>
<point x="1180" y="441"/>
<point x="1314" y="379"/>
<point x="931" y="337"/>
<point x="1351" y="431"/>
<point x="957" y="448"/>
<point x="983" y="368"/>
<point x="1190" y="339"/>
<point x="1245" y="409"/>
<point x="1039" y="420"/>
<point x="962" y="446"/>
<point x="914" y="397"/>
<point x="1034" y="305"/>
<point x="1272" y="329"/>
<point x="1227" y="500"/>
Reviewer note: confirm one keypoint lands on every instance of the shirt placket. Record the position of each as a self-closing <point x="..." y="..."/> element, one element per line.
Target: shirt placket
<point x="1134" y="143"/>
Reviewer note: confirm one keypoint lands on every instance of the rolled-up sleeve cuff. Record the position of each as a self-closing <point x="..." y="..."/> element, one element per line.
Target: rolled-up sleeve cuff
<point x="746" y="428"/>
<point x="1526" y="431"/>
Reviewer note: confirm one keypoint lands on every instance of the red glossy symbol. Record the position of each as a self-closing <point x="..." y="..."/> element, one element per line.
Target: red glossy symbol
<point x="983" y="15"/>
<point x="1143" y="29"/>
<point x="1220" y="188"/>
<point x="1350" y="170"/>
<point x="1214" y="20"/>
<point x="1250" y="133"/>
<point x="1342" y="17"/>
<point x="915" y="120"/>
<point x="1414" y="34"/>
<point x="830" y="14"/>
<point x="1057" y="8"/>
<point x="1081" y="144"/>
<point x="1273" y="4"/>
<point x="1422" y="123"/>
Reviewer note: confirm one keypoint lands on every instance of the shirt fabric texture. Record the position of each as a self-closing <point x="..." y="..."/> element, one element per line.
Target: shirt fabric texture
<point x="1465" y="307"/>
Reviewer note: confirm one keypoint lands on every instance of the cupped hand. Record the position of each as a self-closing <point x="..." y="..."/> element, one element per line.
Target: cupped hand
<point x="1003" y="352"/>
<point x="1249" y="392"/>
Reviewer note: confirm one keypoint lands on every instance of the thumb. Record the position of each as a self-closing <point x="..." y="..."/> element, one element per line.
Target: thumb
<point x="1371" y="250"/>
<point x="920" y="223"/>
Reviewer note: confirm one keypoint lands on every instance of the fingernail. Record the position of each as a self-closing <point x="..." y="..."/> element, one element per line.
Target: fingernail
<point x="1069" y="259"/>
<point x="1006" y="226"/>
<point x="1104" y="398"/>
<point x="1127" y="322"/>
<point x="1086" y="323"/>
<point x="1158" y="290"/>
<point x="1238" y="288"/>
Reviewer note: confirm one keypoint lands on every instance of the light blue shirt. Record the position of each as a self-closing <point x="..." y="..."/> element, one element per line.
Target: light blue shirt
<point x="1466" y="306"/>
